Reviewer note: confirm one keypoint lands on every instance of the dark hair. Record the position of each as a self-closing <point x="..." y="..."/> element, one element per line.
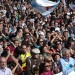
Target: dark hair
<point x="17" y="51"/>
<point x="11" y="64"/>
<point x="4" y="53"/>
<point x="68" y="44"/>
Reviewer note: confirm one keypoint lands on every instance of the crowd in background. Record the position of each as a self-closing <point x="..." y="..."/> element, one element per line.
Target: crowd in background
<point x="34" y="44"/>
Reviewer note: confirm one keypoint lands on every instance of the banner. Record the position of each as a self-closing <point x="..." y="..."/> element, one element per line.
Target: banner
<point x="45" y="7"/>
<point x="72" y="6"/>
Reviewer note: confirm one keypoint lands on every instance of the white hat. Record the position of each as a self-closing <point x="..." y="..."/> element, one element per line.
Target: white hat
<point x="41" y="33"/>
<point x="35" y="50"/>
<point x="57" y="29"/>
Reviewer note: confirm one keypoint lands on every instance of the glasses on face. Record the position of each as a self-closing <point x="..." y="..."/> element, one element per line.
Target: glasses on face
<point x="49" y="60"/>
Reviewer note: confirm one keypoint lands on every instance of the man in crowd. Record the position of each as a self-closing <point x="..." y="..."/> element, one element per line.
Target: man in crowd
<point x="33" y="62"/>
<point x="3" y="69"/>
<point x="67" y="63"/>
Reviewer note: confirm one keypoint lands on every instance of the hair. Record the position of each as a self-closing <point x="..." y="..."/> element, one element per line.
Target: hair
<point x="15" y="40"/>
<point x="11" y="64"/>
<point x="64" y="50"/>
<point x="17" y="51"/>
<point x="47" y="57"/>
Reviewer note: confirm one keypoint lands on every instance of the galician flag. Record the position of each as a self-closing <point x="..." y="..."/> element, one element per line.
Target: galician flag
<point x="45" y="7"/>
<point x="72" y="6"/>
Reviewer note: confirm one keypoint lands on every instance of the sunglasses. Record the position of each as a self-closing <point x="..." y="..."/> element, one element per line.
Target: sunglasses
<point x="49" y="60"/>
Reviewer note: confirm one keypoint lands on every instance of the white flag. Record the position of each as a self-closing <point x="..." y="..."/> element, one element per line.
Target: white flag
<point x="72" y="6"/>
<point x="45" y="7"/>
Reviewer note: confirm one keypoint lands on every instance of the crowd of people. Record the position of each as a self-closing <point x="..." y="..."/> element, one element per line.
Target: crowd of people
<point x="31" y="44"/>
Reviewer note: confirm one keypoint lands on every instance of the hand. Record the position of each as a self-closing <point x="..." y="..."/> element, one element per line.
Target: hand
<point x="11" y="42"/>
<point x="12" y="53"/>
<point x="56" y="35"/>
<point x="57" y="69"/>
<point x="2" y="35"/>
<point x="5" y="44"/>
<point x="8" y="50"/>
<point x="16" y="61"/>
<point x="52" y="33"/>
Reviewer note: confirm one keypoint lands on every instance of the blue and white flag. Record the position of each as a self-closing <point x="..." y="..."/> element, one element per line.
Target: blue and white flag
<point x="45" y="7"/>
<point x="72" y="6"/>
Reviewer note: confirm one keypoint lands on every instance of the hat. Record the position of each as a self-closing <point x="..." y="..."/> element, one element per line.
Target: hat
<point x="57" y="29"/>
<point x="41" y="33"/>
<point x="35" y="50"/>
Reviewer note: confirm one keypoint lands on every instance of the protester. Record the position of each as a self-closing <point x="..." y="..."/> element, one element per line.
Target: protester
<point x="46" y="69"/>
<point x="3" y="67"/>
<point x="66" y="62"/>
<point x="33" y="62"/>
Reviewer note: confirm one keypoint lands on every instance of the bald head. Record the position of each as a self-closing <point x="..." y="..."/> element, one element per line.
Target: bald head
<point x="2" y="58"/>
<point x="3" y="62"/>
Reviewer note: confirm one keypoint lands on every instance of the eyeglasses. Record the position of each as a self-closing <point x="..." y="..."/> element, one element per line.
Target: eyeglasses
<point x="49" y="60"/>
